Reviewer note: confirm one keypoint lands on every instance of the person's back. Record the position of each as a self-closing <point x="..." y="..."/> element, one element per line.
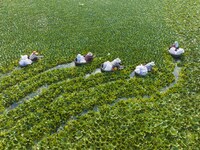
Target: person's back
<point x="89" y="57"/>
<point x="107" y="66"/>
<point x="80" y="58"/>
<point x="141" y="70"/>
<point x="24" y="61"/>
<point x="33" y="56"/>
<point x="150" y="65"/>
<point x="175" y="51"/>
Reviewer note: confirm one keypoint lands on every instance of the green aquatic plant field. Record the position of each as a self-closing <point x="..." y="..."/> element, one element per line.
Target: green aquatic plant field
<point x="43" y="106"/>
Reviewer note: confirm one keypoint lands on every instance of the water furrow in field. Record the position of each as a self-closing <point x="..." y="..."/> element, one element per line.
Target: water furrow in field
<point x="176" y="75"/>
<point x="2" y="76"/>
<point x="9" y="73"/>
<point x="132" y="74"/>
<point x="33" y="94"/>
<point x="64" y="105"/>
<point x="60" y="96"/>
<point x="28" y="97"/>
<point x="62" y="66"/>
<point x="98" y="70"/>
<point x="95" y="108"/>
<point x="37" y="81"/>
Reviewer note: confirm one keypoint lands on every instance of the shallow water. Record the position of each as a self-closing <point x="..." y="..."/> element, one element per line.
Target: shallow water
<point x="28" y="97"/>
<point x="119" y="99"/>
<point x="9" y="73"/>
<point x="132" y="74"/>
<point x="96" y="109"/>
<point x="83" y="113"/>
<point x="176" y="75"/>
<point x="98" y="70"/>
<point x="68" y="65"/>
<point x="14" y="105"/>
<point x="177" y="60"/>
<point x="146" y="96"/>
<point x="37" y="92"/>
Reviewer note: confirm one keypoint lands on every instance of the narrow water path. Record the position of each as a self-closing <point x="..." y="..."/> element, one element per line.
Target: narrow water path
<point x="62" y="66"/>
<point x="175" y="72"/>
<point x="67" y="65"/>
<point x="39" y="90"/>
<point x="95" y="108"/>
<point x="28" y="97"/>
<point x="98" y="70"/>
<point x="132" y="74"/>
<point x="9" y="73"/>
<point x="176" y="75"/>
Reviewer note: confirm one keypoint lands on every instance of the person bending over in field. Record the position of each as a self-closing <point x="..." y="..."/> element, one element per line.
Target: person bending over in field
<point x="142" y="70"/>
<point x="34" y="56"/>
<point x="112" y="66"/>
<point x="24" y="61"/>
<point x="175" y="51"/>
<point x="80" y="59"/>
<point x="150" y="65"/>
<point x="89" y="57"/>
<point x="84" y="59"/>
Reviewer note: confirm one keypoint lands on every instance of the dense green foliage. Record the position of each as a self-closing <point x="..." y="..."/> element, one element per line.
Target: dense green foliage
<point x="105" y="110"/>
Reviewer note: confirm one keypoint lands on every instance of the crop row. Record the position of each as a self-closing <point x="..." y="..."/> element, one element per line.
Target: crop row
<point x="68" y="105"/>
<point x="20" y="75"/>
<point x="109" y="128"/>
<point x="80" y="83"/>
<point x="131" y="123"/>
<point x="27" y="86"/>
<point x="62" y="112"/>
<point x="68" y="86"/>
<point x="128" y="124"/>
<point x="16" y="92"/>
